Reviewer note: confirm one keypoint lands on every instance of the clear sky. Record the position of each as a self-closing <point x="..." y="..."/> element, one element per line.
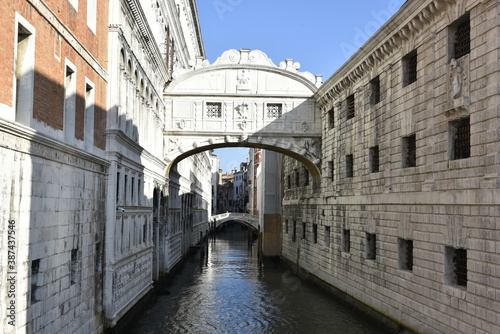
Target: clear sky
<point x="320" y="34"/>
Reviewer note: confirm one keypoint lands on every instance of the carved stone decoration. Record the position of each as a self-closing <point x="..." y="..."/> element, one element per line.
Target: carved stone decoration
<point x="458" y="85"/>
<point x="181" y="124"/>
<point x="243" y="80"/>
<point x="243" y="125"/>
<point x="242" y="111"/>
<point x="310" y="150"/>
<point x="304" y="126"/>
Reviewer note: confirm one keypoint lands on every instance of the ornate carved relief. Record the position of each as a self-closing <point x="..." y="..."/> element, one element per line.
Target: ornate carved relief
<point x="243" y="80"/>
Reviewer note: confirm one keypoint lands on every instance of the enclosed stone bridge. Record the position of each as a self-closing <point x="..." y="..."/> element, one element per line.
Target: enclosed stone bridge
<point x="243" y="218"/>
<point x="244" y="100"/>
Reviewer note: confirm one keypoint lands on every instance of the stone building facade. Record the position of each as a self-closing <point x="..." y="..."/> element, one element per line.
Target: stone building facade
<point x="52" y="132"/>
<point x="406" y="219"/>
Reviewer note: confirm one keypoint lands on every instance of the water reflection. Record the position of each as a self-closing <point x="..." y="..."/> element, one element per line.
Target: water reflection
<point x="227" y="292"/>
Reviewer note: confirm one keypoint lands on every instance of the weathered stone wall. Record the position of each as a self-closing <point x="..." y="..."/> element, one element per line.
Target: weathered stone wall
<point x="358" y="227"/>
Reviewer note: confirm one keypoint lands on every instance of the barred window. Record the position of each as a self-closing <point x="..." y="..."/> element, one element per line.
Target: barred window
<point x="456" y="266"/>
<point x="370" y="247"/>
<point x="375" y="90"/>
<point x="327" y="236"/>
<point x="405" y="254"/>
<point x="304" y="230"/>
<point x="461" y="40"/>
<point x="315" y="233"/>
<point x="349" y="165"/>
<point x="331" y="119"/>
<point x="409" y="151"/>
<point x="350" y="106"/>
<point x="274" y="110"/>
<point x="214" y="109"/>
<point x="460" y="138"/>
<point x="306" y="176"/>
<point x="289" y="181"/>
<point x="331" y="169"/>
<point x="297" y="178"/>
<point x="294" y="231"/>
<point x="410" y="68"/>
<point x="286" y="226"/>
<point x="374" y="159"/>
<point x="346" y="240"/>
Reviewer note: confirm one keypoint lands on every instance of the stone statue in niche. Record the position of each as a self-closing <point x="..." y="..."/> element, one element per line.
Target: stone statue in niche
<point x="242" y="110"/>
<point x="457" y="75"/>
<point x="243" y="80"/>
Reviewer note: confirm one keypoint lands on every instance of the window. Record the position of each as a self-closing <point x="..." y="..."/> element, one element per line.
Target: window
<point x="91" y="15"/>
<point x="294" y="234"/>
<point x="289" y="181"/>
<point x="327" y="236"/>
<point x="35" y="281"/>
<point x="69" y="104"/>
<point x="144" y="231"/>
<point x="331" y="169"/>
<point x="456" y="266"/>
<point x="125" y="190"/>
<point x="405" y="254"/>
<point x="306" y="176"/>
<point x="132" y="193"/>
<point x="346" y="240"/>
<point x="460" y="37"/>
<point x="214" y="109"/>
<point x="98" y="257"/>
<point x="74" y="266"/>
<point x="409" y="151"/>
<point x="410" y="68"/>
<point x="297" y="178"/>
<point x="315" y="233"/>
<point x="139" y="195"/>
<point x="350" y="106"/>
<point x="286" y="226"/>
<point x="349" y="165"/>
<point x="331" y="118"/>
<point x="304" y="230"/>
<point x="370" y="247"/>
<point x="375" y="91"/>
<point x="274" y="110"/>
<point x="374" y="159"/>
<point x="117" y="187"/>
<point x="459" y="132"/>
<point x="89" y="116"/>
<point x="24" y="72"/>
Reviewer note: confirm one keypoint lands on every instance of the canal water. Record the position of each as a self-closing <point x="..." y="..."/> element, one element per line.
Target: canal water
<point x="223" y="289"/>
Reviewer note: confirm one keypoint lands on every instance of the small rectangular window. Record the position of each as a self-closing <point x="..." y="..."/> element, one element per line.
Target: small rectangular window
<point x="294" y="232"/>
<point x="286" y="226"/>
<point x="306" y="176"/>
<point x="24" y="73"/>
<point x="274" y="110"/>
<point x="132" y="192"/>
<point x="331" y="118"/>
<point x="117" y="187"/>
<point x="315" y="233"/>
<point x="370" y="247"/>
<point x="327" y="236"/>
<point x="125" y="185"/>
<point x="350" y="106"/>
<point x="331" y="169"/>
<point x="410" y="68"/>
<point x="456" y="266"/>
<point x="375" y="91"/>
<point x="460" y="138"/>
<point x="289" y="181"/>
<point x="297" y="178"/>
<point x="214" y="109"/>
<point x="374" y="159"/>
<point x="74" y="266"/>
<point x="405" y="254"/>
<point x="70" y="105"/>
<point x="89" y="116"/>
<point x="346" y="240"/>
<point x="349" y="165"/>
<point x="304" y="230"/>
<point x="409" y="151"/>
<point x="35" y="271"/>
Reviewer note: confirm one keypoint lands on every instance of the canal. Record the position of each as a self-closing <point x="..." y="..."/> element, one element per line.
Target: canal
<point x="223" y="289"/>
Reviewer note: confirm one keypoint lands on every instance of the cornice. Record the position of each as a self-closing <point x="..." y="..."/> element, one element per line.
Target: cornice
<point x="411" y="19"/>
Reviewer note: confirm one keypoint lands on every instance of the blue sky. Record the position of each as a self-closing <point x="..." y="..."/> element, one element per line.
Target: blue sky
<point x="320" y="34"/>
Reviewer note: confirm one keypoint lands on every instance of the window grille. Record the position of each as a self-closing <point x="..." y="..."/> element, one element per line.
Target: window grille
<point x="410" y="151"/>
<point x="346" y="240"/>
<point x="460" y="264"/>
<point x="288" y="181"/>
<point x="349" y="165"/>
<point x="350" y="105"/>
<point x="331" y="169"/>
<point x="274" y="110"/>
<point x="303" y="230"/>
<point x="371" y="240"/>
<point x="327" y="236"/>
<point x="214" y="109"/>
<point x="374" y="159"/>
<point x="406" y="254"/>
<point x="294" y="234"/>
<point x="461" y="43"/>
<point x="331" y="119"/>
<point x="375" y="91"/>
<point x="461" y="138"/>
<point x="410" y="66"/>
<point x="286" y="226"/>
<point x="35" y="271"/>
<point x="315" y="233"/>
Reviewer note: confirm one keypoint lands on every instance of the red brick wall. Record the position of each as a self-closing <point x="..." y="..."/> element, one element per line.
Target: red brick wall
<point x="50" y="70"/>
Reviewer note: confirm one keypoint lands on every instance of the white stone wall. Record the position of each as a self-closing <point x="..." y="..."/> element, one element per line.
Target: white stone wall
<point x="441" y="204"/>
<point x="53" y="200"/>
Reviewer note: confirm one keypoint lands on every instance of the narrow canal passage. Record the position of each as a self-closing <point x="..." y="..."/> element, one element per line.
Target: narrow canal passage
<point x="226" y="291"/>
